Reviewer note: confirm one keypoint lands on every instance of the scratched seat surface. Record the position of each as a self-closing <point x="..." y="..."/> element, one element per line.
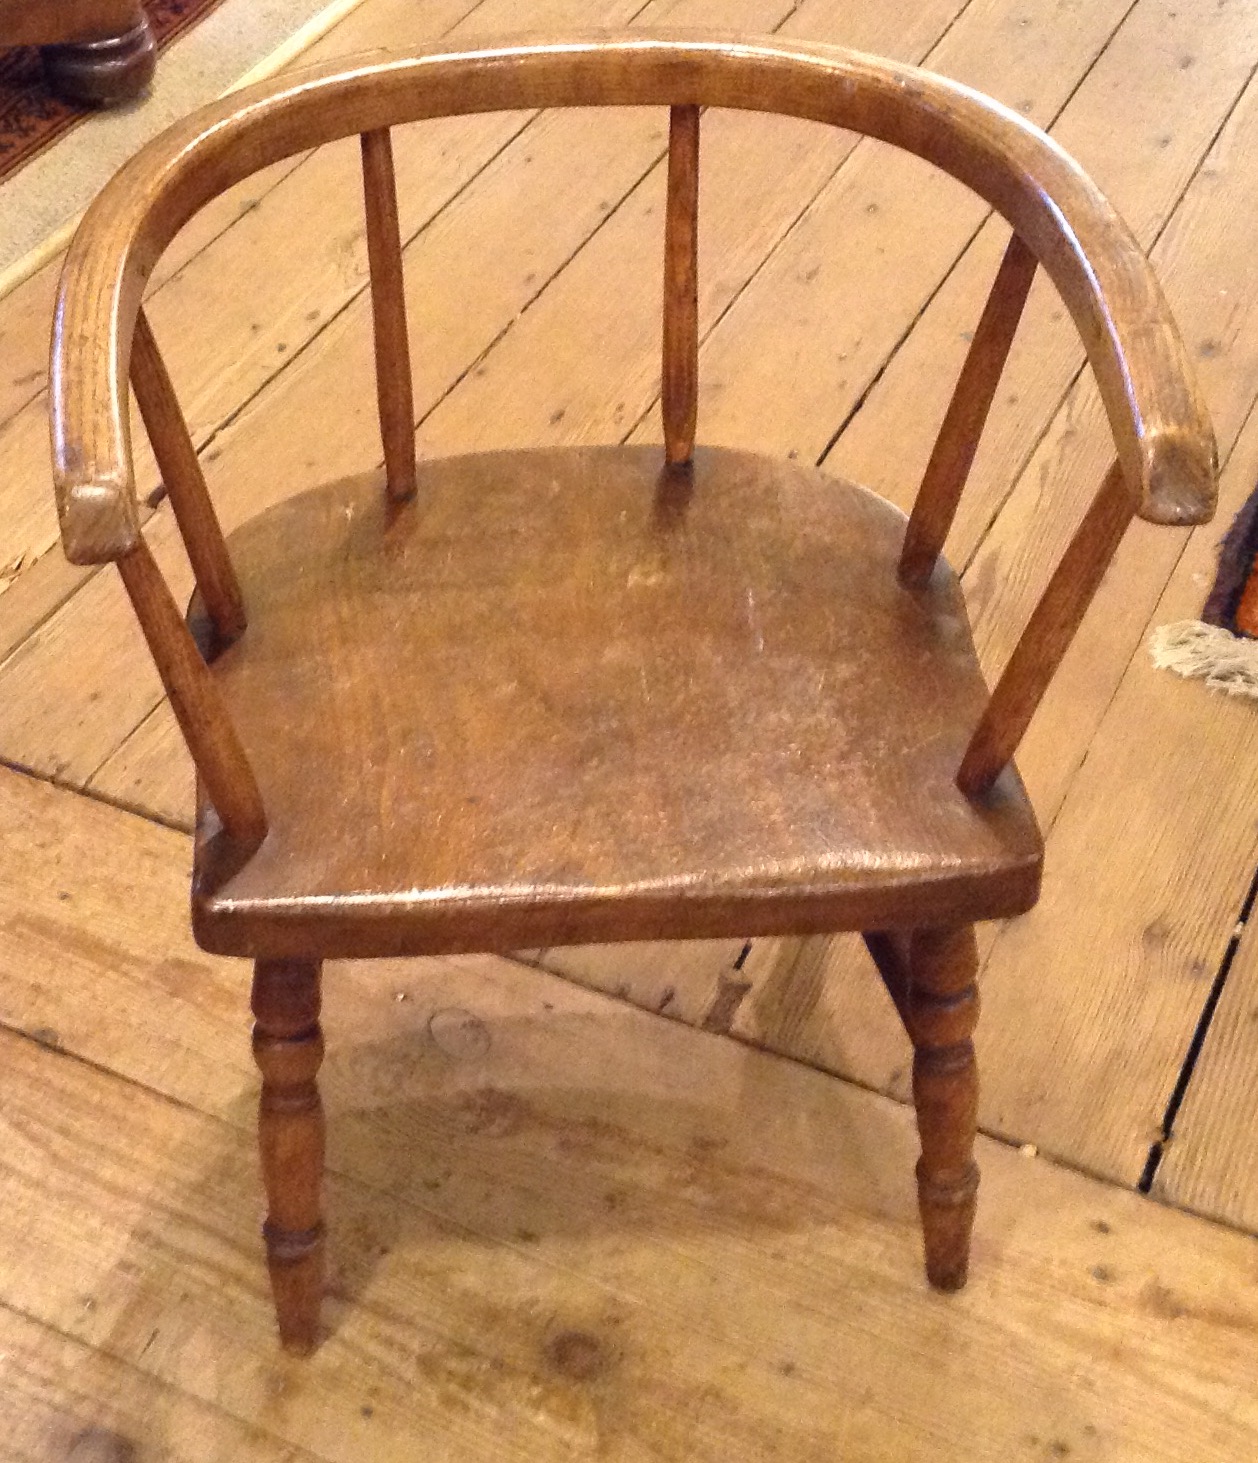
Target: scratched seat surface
<point x="565" y="694"/>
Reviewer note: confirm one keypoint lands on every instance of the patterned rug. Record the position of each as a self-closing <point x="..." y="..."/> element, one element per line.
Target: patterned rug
<point x="31" y="117"/>
<point x="1222" y="646"/>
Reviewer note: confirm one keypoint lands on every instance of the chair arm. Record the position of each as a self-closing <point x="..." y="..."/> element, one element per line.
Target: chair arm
<point x="1161" y="429"/>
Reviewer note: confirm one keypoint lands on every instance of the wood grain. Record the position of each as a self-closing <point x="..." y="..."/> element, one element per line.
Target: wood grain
<point x="267" y="449"/>
<point x="822" y="1012"/>
<point x="679" y="380"/>
<point x="1044" y="642"/>
<point x="853" y="320"/>
<point x="1206" y="272"/>
<point x="62" y="1399"/>
<point x="939" y="1010"/>
<point x="276" y="905"/>
<point x="761" y="1225"/>
<point x="1120" y="981"/>
<point x="597" y="385"/>
<point x="952" y="456"/>
<point x="1162" y="436"/>
<point x="1210" y="1165"/>
<point x="288" y="1048"/>
<point x="274" y="448"/>
<point x="269" y="314"/>
<point x="1124" y="157"/>
<point x="184" y="484"/>
<point x="395" y="394"/>
<point x="689" y="709"/>
<point x="196" y="702"/>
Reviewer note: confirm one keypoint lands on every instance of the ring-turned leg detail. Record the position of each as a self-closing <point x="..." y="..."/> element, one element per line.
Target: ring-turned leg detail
<point x="942" y="1010"/>
<point x="288" y="1048"/>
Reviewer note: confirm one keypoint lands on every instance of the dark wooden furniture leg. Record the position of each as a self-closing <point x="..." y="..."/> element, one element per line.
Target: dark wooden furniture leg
<point x="102" y="70"/>
<point x="940" y="1014"/>
<point x="288" y="1047"/>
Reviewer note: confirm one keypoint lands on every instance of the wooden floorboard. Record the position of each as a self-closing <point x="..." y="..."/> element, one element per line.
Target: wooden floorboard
<point x="275" y="304"/>
<point x="1210" y="1162"/>
<point x="546" y="196"/>
<point x="517" y="1160"/>
<point x="64" y="1400"/>
<point x="819" y="1005"/>
<point x="1075" y="1014"/>
<point x="525" y="1173"/>
<point x="27" y="308"/>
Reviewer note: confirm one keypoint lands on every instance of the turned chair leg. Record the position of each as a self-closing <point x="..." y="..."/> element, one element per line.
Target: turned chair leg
<point x="940" y="1010"/>
<point x="288" y="1048"/>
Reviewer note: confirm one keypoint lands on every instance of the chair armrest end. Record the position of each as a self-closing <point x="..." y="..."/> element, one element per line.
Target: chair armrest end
<point x="99" y="521"/>
<point x="1181" y="484"/>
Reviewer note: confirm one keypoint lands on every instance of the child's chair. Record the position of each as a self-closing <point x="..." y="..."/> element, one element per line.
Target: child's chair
<point x="547" y="697"/>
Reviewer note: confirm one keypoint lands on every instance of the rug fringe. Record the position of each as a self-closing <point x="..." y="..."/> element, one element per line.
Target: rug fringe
<point x="1227" y="662"/>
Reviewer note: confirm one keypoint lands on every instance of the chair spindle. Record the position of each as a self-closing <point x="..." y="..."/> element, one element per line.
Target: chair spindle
<point x="953" y="453"/>
<point x="180" y="468"/>
<point x="394" y="392"/>
<point x="679" y="387"/>
<point x="195" y="700"/>
<point x="1047" y="636"/>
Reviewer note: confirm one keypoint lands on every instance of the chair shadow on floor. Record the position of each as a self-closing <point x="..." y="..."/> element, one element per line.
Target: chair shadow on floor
<point x="498" y="1170"/>
<point x="563" y="1135"/>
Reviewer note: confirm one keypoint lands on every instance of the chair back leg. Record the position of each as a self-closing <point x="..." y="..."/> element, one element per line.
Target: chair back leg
<point x="288" y="1048"/>
<point x="942" y="1009"/>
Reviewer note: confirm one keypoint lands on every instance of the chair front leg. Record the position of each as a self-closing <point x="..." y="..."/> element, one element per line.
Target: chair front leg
<point x="288" y="1048"/>
<point x="940" y="1014"/>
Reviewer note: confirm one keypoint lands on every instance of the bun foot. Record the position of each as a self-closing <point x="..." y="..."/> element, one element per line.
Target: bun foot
<point x="103" y="72"/>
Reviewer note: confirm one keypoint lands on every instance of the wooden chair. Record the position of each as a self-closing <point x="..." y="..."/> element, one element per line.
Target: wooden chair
<point x="546" y="697"/>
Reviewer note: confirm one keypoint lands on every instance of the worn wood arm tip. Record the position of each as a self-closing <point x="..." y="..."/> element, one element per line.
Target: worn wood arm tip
<point x="1181" y="482"/>
<point x="88" y="425"/>
<point x="98" y="517"/>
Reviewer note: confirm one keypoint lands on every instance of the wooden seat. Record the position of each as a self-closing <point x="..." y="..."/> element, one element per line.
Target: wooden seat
<point x="636" y="704"/>
<point x="537" y="698"/>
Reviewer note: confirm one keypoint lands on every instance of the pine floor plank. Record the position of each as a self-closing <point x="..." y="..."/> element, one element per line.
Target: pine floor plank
<point x="60" y="1399"/>
<point x="518" y="1162"/>
<point x="1081" y="948"/>
<point x="1211" y="280"/>
<point x="265" y="302"/>
<point x="34" y="580"/>
<point x="825" y="298"/>
<point x="269" y="449"/>
<point x="1154" y="147"/>
<point x="32" y="717"/>
<point x="1092" y="999"/>
<point x="26" y="309"/>
<point x="794" y="355"/>
<point x="533" y="195"/>
<point x="24" y="315"/>
<point x="272" y="449"/>
<point x="1210" y="1163"/>
<point x="1205" y="245"/>
<point x="811" y="305"/>
<point x="1192" y="62"/>
<point x="565" y="1228"/>
<point x="68" y="922"/>
<point x="1151" y="857"/>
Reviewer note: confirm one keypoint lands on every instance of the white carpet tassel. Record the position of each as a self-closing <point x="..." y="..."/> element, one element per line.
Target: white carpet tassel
<point x="1227" y="662"/>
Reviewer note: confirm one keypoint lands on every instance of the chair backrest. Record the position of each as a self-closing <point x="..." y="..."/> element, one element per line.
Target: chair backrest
<point x="1165" y="465"/>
